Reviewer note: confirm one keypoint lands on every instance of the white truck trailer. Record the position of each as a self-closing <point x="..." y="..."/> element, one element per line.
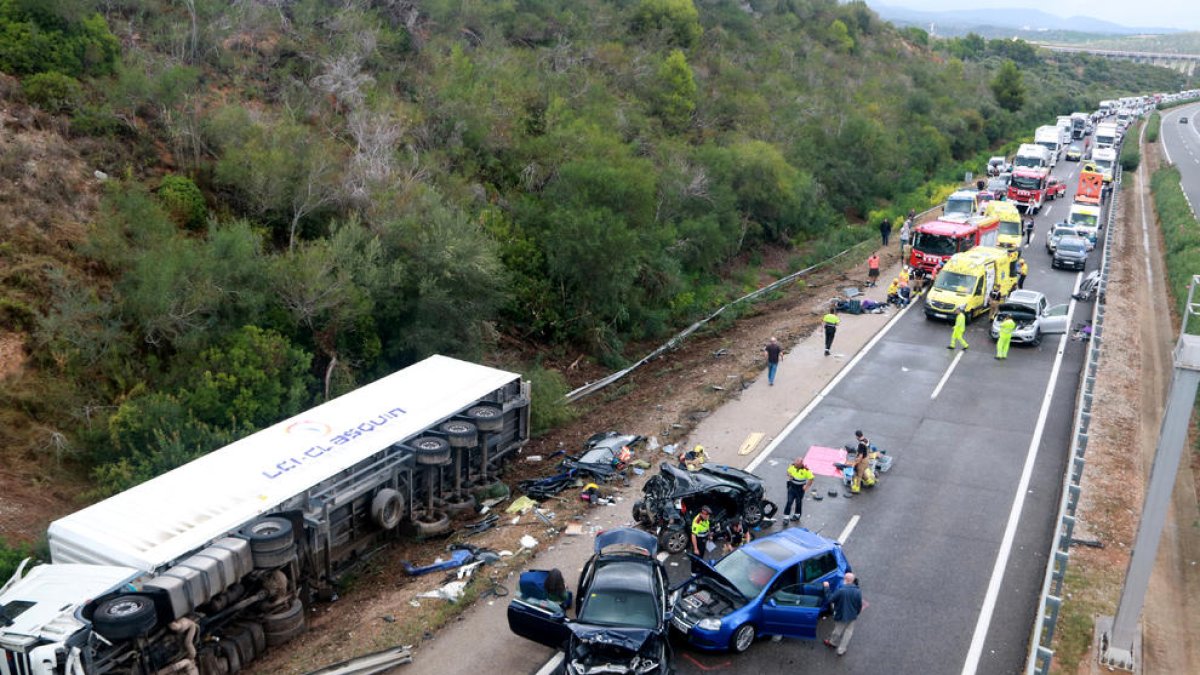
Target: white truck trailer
<point x="203" y="568"/>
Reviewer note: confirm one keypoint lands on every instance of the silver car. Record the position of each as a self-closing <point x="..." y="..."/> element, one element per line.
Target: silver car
<point x="1033" y="316"/>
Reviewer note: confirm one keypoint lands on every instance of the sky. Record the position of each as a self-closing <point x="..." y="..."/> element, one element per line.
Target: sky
<point x="1183" y="14"/>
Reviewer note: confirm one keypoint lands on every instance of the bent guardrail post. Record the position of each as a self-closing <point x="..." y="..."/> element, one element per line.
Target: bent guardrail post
<point x="1120" y="644"/>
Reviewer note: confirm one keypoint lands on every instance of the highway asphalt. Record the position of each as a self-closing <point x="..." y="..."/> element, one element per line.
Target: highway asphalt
<point x="926" y="541"/>
<point x="1182" y="145"/>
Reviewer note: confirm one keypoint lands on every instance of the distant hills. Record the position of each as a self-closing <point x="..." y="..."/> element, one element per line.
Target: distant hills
<point x="1007" y="21"/>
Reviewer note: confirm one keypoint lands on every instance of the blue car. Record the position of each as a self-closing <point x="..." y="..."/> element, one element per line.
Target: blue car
<point x="771" y="586"/>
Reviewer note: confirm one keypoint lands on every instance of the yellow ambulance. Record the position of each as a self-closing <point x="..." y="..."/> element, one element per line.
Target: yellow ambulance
<point x="966" y="281"/>
<point x="1010" y="223"/>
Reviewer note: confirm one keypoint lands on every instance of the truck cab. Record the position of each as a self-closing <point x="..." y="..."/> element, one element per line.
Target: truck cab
<point x="961" y="205"/>
<point x="1031" y="156"/>
<point x="1105" y="160"/>
<point x="1027" y="189"/>
<point x="1049" y="138"/>
<point x="937" y="241"/>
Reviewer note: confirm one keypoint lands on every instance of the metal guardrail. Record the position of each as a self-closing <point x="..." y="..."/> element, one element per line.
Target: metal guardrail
<point x="1050" y="603"/>
<point x="593" y="387"/>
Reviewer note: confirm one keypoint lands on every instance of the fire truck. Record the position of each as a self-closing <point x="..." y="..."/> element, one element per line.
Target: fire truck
<point x="934" y="242"/>
<point x="1027" y="189"/>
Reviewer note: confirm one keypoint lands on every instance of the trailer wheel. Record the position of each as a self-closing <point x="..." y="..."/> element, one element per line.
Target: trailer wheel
<point x="244" y="642"/>
<point x="487" y="417"/>
<point x="387" y="509"/>
<point x="208" y="660"/>
<point x="269" y="534"/>
<point x="282" y="637"/>
<point x="432" y="523"/>
<point x="125" y="617"/>
<point x="285" y="620"/>
<point x="460" y="433"/>
<point x="233" y="661"/>
<point x="258" y="636"/>
<point x="269" y="560"/>
<point x="431" y="450"/>
<point x="456" y="506"/>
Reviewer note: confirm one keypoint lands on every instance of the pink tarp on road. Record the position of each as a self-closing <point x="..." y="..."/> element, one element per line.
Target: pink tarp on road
<point x="820" y="460"/>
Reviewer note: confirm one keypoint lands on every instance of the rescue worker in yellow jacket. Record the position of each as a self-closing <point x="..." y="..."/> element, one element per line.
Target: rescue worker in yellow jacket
<point x="960" y="328"/>
<point x="1007" y="326"/>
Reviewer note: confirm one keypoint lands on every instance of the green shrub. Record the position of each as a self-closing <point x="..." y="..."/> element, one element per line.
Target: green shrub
<point x="1131" y="152"/>
<point x="52" y="92"/>
<point x="11" y="556"/>
<point x="1152" y="127"/>
<point x="1181" y="232"/>
<point x="548" y="410"/>
<point x="36" y="38"/>
<point x="184" y="201"/>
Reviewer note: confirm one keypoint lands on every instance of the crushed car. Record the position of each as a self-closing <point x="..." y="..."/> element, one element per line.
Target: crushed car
<point x="771" y="586"/>
<point x="604" y="454"/>
<point x="1033" y="315"/>
<point x="621" y="622"/>
<point x="675" y="495"/>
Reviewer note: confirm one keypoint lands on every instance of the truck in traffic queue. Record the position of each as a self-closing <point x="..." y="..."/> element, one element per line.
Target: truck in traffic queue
<point x="204" y="568"/>
<point x="1063" y="123"/>
<point x="1049" y="138"/>
<point x="1086" y="218"/>
<point x="1027" y="188"/>
<point x="966" y="281"/>
<point x="1031" y="156"/>
<point x="1107" y="136"/>
<point x="961" y="205"/>
<point x="1009" y="235"/>
<point x="1105" y="160"/>
<point x="937" y="241"/>
<point x="1079" y="122"/>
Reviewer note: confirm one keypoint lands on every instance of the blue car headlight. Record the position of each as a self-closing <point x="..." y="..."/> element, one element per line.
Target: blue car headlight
<point x="709" y="624"/>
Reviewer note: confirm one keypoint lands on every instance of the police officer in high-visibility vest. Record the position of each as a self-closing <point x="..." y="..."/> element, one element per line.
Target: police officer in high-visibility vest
<point x="701" y="530"/>
<point x="831" y="322"/>
<point x="800" y="478"/>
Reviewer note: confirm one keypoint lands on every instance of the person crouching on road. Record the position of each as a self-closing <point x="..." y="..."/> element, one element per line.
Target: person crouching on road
<point x="800" y="478"/>
<point x="893" y="292"/>
<point x="701" y="532"/>
<point x="736" y="536"/>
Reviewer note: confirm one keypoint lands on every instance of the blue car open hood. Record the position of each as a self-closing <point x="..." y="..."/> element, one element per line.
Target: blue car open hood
<point x="626" y="638"/>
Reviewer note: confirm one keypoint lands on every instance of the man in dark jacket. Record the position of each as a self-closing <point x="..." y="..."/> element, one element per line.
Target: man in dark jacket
<point x="847" y="602"/>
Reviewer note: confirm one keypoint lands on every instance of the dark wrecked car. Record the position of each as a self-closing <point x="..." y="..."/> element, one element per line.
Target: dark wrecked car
<point x="621" y="622"/>
<point x="673" y="497"/>
<point x="771" y="586"/>
<point x="604" y="454"/>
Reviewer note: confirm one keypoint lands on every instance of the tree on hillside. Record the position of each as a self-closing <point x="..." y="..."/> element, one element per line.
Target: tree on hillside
<point x="675" y="99"/>
<point x="1008" y="88"/>
<point x="678" y="19"/>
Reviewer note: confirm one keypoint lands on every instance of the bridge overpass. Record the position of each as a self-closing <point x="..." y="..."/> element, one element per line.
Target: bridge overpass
<point x="1184" y="63"/>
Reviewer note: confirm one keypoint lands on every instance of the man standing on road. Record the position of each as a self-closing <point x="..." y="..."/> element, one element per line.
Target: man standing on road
<point x="885" y="230"/>
<point x="1007" y="326"/>
<point x="960" y="329"/>
<point x="873" y="270"/>
<point x="1022" y="272"/>
<point x="701" y="529"/>
<point x="1028" y="226"/>
<point x="774" y="353"/>
<point x="905" y="237"/>
<point x="994" y="302"/>
<point x="847" y="604"/>
<point x="831" y="322"/>
<point x="800" y="478"/>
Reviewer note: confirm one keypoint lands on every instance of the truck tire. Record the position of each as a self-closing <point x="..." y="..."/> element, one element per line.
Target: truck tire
<point x="286" y="619"/>
<point x="387" y="509"/>
<point x="269" y="560"/>
<point x="244" y="642"/>
<point x="258" y="636"/>
<point x="486" y="417"/>
<point x="283" y="637"/>
<point x="233" y="661"/>
<point x="208" y="660"/>
<point x="460" y="433"/>
<point x="457" y="506"/>
<point x="431" y="450"/>
<point x="125" y="617"/>
<point x="432" y="523"/>
<point x="270" y="534"/>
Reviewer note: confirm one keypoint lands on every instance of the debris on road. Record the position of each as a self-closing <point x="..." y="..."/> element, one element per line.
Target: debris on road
<point x="370" y="664"/>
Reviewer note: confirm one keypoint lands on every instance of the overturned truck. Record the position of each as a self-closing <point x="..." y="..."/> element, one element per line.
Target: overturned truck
<point x="204" y="568"/>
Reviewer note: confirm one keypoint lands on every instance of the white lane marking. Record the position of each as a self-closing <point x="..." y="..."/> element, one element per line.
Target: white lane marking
<point x="849" y="528"/>
<point x="552" y="664"/>
<point x="1142" y="184"/>
<point x="1014" y="514"/>
<point x="766" y="452"/>
<point x="1048" y="210"/>
<point x="946" y="376"/>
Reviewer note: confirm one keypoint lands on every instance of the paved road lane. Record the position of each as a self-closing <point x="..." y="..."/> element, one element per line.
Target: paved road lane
<point x="1182" y="145"/>
<point x="929" y="535"/>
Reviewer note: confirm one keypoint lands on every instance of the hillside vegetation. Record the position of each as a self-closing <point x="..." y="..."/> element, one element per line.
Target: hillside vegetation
<point x="294" y="198"/>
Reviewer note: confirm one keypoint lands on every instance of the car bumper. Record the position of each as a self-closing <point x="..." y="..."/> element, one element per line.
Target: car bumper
<point x="1068" y="263"/>
<point x="707" y="640"/>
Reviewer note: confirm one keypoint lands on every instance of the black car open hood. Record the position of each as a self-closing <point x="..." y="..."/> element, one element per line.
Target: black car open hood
<point x="710" y="476"/>
<point x="631" y="639"/>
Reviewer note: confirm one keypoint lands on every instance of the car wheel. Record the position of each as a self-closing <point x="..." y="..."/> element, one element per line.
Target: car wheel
<point x="1037" y="339"/>
<point x="753" y="514"/>
<point x="742" y="638"/>
<point x="640" y="514"/>
<point x="675" y="541"/>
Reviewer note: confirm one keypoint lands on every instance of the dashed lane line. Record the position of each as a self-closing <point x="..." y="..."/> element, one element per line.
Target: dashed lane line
<point x="848" y="529"/>
<point x="946" y="376"/>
